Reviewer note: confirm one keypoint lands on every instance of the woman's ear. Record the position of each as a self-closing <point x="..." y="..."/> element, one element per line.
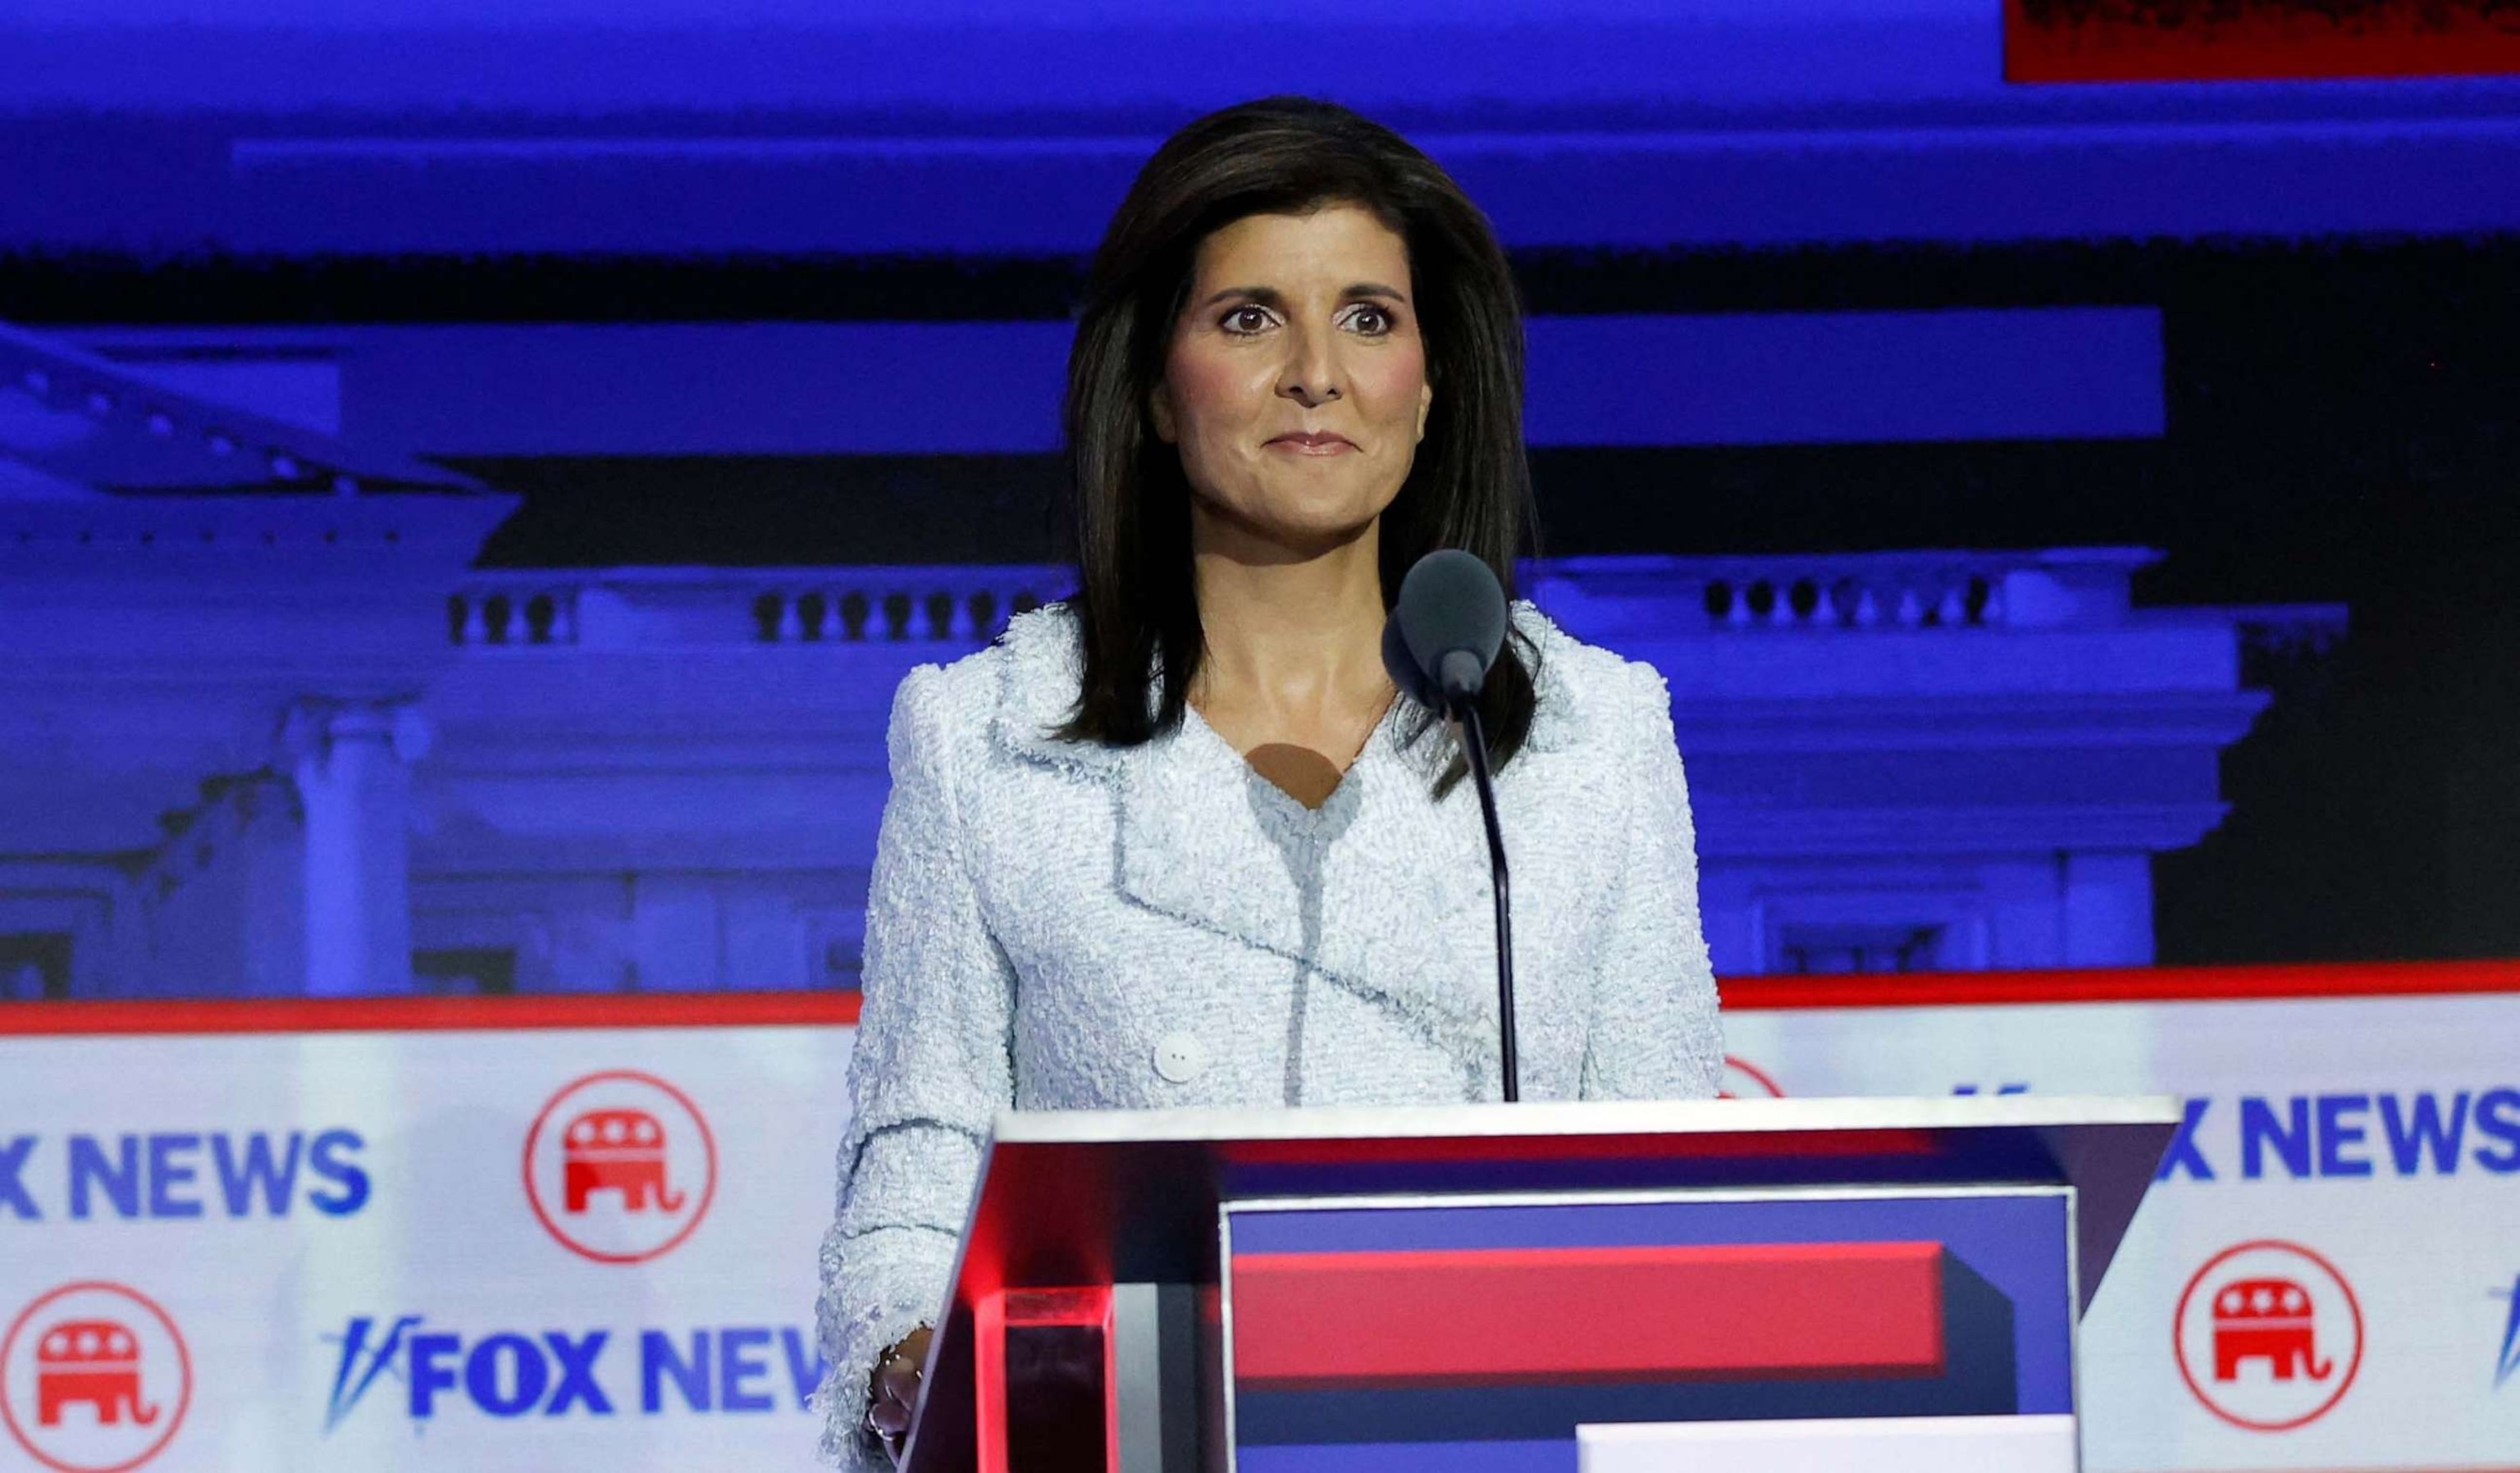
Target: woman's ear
<point x="1160" y="407"/>
<point x="1425" y="402"/>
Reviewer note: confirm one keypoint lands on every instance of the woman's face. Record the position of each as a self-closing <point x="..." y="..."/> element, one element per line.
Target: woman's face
<point x="1295" y="386"/>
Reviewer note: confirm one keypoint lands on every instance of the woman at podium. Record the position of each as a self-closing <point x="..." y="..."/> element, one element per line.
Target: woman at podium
<point x="1175" y="841"/>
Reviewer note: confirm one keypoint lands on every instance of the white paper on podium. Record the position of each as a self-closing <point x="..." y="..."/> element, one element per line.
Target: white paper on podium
<point x="1852" y="1444"/>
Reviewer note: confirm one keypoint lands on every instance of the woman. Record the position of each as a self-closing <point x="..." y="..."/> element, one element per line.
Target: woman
<point x="1175" y="842"/>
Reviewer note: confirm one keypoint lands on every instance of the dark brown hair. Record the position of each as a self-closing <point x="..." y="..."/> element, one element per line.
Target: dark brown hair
<point x="1468" y="487"/>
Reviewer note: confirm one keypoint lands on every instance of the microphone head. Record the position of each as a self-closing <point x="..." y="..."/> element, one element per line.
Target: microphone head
<point x="1402" y="666"/>
<point x="1450" y="620"/>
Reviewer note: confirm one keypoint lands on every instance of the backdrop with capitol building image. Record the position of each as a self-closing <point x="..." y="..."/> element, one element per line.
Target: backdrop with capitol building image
<point x="473" y="570"/>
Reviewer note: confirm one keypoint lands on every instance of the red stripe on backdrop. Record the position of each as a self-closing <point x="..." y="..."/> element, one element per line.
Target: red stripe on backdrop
<point x="2134" y="984"/>
<point x="2255" y="40"/>
<point x="698" y="1010"/>
<point x="1497" y="1317"/>
<point x="840" y="1009"/>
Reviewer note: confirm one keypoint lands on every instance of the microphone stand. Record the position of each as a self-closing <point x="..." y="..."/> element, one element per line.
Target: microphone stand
<point x="1475" y="746"/>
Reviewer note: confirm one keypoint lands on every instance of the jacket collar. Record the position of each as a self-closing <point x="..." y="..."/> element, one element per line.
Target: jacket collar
<point x="1043" y="663"/>
<point x="1383" y="890"/>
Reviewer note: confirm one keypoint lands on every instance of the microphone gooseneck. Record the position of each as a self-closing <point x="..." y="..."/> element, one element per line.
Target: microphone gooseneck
<point x="1474" y="745"/>
<point x="1446" y="630"/>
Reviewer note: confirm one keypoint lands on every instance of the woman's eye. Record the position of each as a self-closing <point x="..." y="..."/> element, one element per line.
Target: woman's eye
<point x="1372" y="322"/>
<point x="1246" y="320"/>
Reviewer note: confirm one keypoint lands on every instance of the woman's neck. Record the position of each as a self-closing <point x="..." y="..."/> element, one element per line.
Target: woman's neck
<point x="1298" y="634"/>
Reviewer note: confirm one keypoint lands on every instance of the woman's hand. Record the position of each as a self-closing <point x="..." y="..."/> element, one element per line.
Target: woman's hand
<point x="893" y="1392"/>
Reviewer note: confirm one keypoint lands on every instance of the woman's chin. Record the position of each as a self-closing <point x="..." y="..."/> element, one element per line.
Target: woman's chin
<point x="1303" y="526"/>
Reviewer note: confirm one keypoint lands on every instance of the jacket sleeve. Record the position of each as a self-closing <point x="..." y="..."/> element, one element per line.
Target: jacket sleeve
<point x="1654" y="1032"/>
<point x="930" y="1070"/>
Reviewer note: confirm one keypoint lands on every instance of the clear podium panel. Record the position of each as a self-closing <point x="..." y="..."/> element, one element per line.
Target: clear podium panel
<point x="1416" y="1334"/>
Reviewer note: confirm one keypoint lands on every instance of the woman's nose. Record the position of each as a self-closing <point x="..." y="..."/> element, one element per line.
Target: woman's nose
<point x="1310" y="375"/>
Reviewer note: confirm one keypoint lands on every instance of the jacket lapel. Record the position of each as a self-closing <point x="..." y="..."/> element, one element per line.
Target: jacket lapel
<point x="1395" y="907"/>
<point x="1408" y="918"/>
<point x="1192" y="847"/>
<point x="1400" y="913"/>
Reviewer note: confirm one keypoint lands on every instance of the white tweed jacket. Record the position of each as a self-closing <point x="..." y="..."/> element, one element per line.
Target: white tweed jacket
<point x="1064" y="925"/>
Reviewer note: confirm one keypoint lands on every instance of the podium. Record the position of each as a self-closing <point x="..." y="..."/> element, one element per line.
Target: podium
<point x="1808" y="1284"/>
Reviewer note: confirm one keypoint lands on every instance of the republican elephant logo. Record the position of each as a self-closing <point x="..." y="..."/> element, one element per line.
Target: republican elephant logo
<point x="92" y="1360"/>
<point x="620" y="1166"/>
<point x="616" y="1151"/>
<point x="2267" y="1320"/>
<point x="2269" y="1335"/>
<point x="94" y="1378"/>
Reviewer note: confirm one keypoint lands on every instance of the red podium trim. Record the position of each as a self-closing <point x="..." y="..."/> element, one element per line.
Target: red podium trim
<point x="1487" y="1316"/>
<point x="1415" y="1150"/>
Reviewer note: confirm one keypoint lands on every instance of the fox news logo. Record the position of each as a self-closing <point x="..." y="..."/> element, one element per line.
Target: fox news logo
<point x="560" y="1374"/>
<point x="176" y="1175"/>
<point x="2369" y="1135"/>
<point x="2507" y="1364"/>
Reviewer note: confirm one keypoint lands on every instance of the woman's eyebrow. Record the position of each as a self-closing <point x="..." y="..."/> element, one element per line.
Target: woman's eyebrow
<point x="1266" y="297"/>
<point x="1271" y="296"/>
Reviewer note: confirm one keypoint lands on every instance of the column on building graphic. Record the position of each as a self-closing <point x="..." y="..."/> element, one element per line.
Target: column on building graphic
<point x="351" y="763"/>
<point x="219" y="622"/>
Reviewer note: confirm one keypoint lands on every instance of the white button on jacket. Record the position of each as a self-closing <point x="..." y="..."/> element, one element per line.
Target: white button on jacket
<point x="1181" y="1057"/>
<point x="1065" y="926"/>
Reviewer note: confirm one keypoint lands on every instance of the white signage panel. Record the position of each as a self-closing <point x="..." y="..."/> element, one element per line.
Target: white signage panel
<point x="2323" y="1277"/>
<point x="534" y="1250"/>
<point x="551" y="1248"/>
<point x="1835" y="1445"/>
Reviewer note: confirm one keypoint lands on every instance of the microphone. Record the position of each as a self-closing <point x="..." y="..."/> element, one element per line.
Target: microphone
<point x="1450" y="620"/>
<point x="1445" y="631"/>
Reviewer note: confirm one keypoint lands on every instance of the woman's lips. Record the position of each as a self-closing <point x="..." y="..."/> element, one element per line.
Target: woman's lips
<point x="1320" y="442"/>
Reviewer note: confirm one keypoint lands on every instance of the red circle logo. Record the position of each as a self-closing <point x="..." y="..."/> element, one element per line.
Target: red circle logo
<point x="2269" y="1335"/>
<point x="94" y="1378"/>
<point x="621" y="1167"/>
<point x="1744" y="1080"/>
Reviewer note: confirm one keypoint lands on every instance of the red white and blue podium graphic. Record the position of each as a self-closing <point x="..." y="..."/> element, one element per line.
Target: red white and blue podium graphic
<point x="1499" y="1337"/>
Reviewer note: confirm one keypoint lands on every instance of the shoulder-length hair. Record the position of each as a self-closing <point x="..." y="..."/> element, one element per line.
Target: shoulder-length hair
<point x="1468" y="487"/>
